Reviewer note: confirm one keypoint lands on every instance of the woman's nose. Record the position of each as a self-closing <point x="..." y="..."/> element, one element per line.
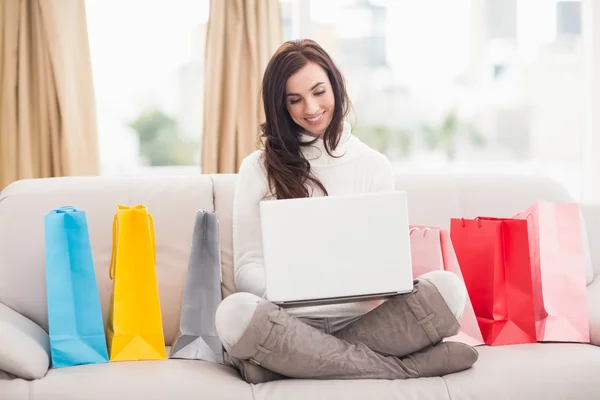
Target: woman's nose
<point x="311" y="107"/>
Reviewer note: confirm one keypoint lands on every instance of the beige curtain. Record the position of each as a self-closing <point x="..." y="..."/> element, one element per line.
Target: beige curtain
<point x="47" y="110"/>
<point x="242" y="35"/>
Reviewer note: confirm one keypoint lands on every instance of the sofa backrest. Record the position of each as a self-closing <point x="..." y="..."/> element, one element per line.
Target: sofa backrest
<point x="173" y="202"/>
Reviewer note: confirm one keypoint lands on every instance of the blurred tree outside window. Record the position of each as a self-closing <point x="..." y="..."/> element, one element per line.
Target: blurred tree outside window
<point x="161" y="143"/>
<point x="149" y="83"/>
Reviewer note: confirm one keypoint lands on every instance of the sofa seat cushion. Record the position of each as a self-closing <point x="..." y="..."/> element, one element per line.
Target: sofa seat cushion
<point x="148" y="380"/>
<point x="13" y="388"/>
<point x="295" y="389"/>
<point x="530" y="371"/>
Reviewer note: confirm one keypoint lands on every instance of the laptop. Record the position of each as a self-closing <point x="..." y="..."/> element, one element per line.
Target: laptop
<point x="336" y="248"/>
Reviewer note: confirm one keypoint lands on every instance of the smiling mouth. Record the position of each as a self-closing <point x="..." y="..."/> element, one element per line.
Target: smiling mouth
<point x="316" y="119"/>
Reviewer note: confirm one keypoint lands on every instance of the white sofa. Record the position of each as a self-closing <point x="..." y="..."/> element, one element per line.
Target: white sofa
<point x="538" y="371"/>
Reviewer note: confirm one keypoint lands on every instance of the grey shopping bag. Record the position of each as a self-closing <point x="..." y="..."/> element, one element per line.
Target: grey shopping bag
<point x="197" y="337"/>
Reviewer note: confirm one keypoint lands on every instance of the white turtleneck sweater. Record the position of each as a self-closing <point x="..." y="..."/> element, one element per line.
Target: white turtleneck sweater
<point x="360" y="169"/>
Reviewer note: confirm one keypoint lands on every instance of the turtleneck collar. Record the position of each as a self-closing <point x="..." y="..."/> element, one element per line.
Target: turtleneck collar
<point x="348" y="147"/>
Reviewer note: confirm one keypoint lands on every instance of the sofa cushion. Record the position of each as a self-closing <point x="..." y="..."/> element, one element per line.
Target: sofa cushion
<point x="593" y="294"/>
<point x="12" y="388"/>
<point x="224" y="188"/>
<point x="435" y="198"/>
<point x="410" y="389"/>
<point x="530" y="371"/>
<point x="591" y="215"/>
<point x="148" y="380"/>
<point x="24" y="346"/>
<point x="172" y="201"/>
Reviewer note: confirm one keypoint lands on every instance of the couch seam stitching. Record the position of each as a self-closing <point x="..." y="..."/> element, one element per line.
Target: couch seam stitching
<point x="447" y="388"/>
<point x="212" y="186"/>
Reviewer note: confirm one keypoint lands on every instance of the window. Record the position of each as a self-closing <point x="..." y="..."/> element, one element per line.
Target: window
<point x="463" y="85"/>
<point x="148" y="67"/>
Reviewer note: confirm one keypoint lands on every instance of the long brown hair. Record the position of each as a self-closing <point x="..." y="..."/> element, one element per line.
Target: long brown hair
<point x="288" y="171"/>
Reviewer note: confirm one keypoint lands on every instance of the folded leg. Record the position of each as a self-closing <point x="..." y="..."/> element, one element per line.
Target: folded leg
<point x="288" y="347"/>
<point x="413" y="321"/>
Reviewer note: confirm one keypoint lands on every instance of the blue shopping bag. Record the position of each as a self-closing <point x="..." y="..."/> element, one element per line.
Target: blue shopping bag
<point x="75" y="321"/>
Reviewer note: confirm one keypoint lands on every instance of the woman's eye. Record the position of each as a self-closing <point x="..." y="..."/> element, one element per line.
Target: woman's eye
<point x="319" y="93"/>
<point x="294" y="101"/>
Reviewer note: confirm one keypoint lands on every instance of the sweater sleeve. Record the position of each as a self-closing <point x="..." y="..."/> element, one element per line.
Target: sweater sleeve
<point x="383" y="176"/>
<point x="251" y="187"/>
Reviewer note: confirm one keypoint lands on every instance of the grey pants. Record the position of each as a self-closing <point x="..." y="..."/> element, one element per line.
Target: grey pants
<point x="400" y="339"/>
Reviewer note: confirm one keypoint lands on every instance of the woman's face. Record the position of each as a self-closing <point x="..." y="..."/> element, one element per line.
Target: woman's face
<point x="310" y="100"/>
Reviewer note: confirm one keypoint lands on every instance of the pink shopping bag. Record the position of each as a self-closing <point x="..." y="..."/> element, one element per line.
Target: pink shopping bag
<point x="432" y="250"/>
<point x="558" y="269"/>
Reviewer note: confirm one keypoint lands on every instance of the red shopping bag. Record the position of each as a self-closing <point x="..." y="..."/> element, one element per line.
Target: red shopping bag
<point x="493" y="254"/>
<point x="432" y="250"/>
<point x="558" y="272"/>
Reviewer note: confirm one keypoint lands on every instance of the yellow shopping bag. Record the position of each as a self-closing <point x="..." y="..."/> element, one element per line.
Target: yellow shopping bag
<point x="134" y="330"/>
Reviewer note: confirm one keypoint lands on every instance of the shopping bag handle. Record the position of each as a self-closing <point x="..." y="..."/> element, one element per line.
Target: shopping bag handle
<point x="113" y="256"/>
<point x="425" y="229"/>
<point x="526" y="215"/>
<point x="152" y="239"/>
<point x="476" y="219"/>
<point x="66" y="209"/>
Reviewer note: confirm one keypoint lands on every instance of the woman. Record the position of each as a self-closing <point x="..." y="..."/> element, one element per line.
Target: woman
<point x="309" y="150"/>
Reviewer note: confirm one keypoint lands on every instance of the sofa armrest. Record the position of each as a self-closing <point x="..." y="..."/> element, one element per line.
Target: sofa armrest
<point x="24" y="346"/>
<point x="593" y="292"/>
<point x="591" y="218"/>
